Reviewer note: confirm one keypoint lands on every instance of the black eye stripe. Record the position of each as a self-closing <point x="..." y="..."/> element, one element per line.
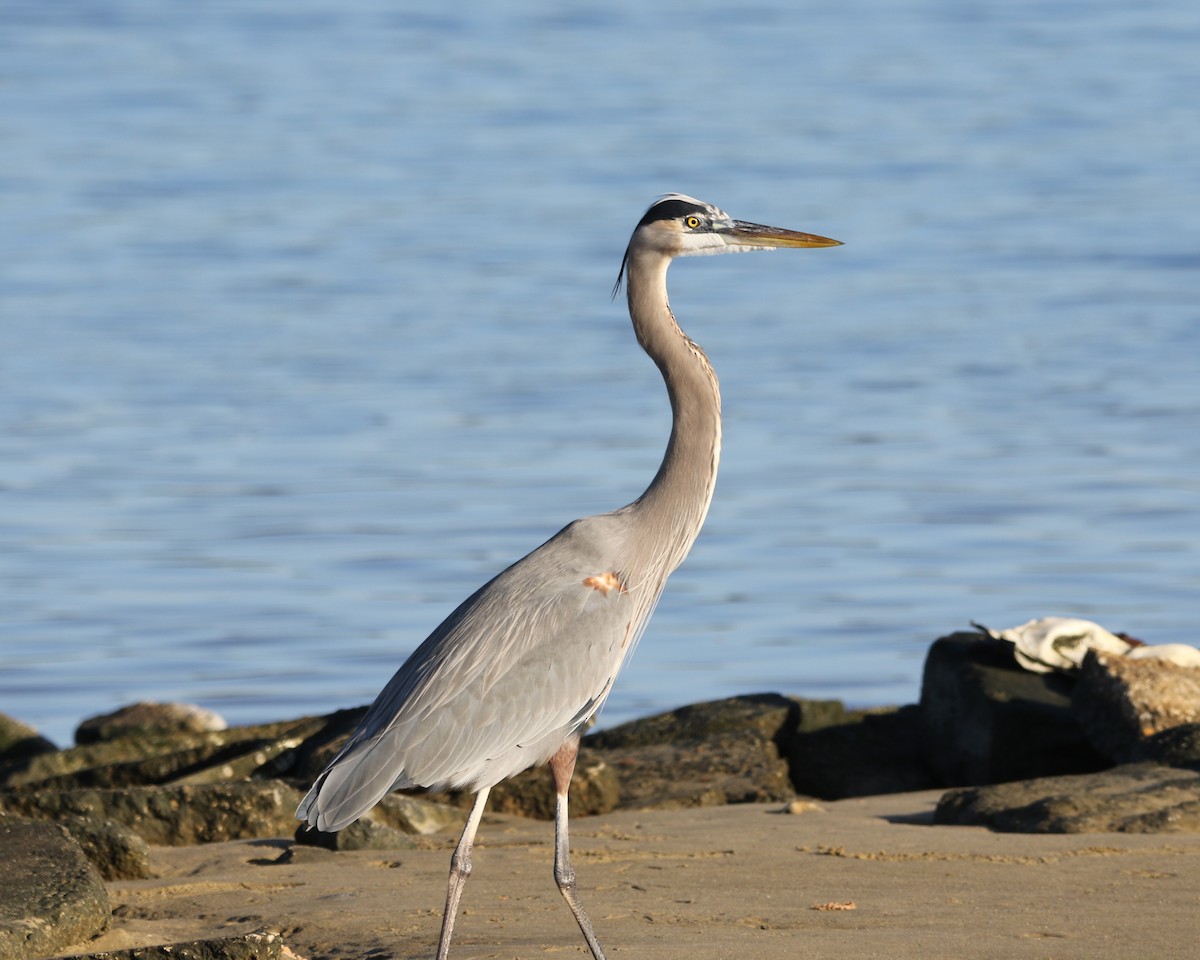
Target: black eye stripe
<point x="672" y="210"/>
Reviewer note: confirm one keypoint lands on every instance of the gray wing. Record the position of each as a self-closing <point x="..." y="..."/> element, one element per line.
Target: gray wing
<point x="496" y="688"/>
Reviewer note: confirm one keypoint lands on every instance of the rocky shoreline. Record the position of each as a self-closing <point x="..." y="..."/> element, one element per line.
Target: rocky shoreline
<point x="1010" y="750"/>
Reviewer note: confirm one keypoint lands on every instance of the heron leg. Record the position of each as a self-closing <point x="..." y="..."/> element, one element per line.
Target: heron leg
<point x="460" y="869"/>
<point x="562" y="765"/>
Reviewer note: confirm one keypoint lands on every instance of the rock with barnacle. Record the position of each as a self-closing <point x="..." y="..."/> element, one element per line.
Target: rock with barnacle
<point x="1121" y="700"/>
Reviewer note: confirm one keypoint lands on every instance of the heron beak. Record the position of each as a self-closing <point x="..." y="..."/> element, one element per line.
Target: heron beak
<point x="739" y="233"/>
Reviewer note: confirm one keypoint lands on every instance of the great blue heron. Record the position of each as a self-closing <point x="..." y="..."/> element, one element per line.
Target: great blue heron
<point x="510" y="678"/>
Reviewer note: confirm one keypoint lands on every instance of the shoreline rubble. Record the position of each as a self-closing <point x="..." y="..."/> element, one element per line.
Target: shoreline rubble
<point x="1012" y="750"/>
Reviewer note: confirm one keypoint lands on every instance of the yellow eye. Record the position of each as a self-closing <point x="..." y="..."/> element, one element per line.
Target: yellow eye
<point x="692" y="222"/>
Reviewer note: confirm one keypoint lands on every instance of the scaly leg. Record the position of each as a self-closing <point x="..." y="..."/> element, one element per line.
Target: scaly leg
<point x="460" y="869"/>
<point x="562" y="765"/>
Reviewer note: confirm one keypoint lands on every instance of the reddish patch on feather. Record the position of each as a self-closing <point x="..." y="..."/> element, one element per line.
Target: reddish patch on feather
<point x="606" y="583"/>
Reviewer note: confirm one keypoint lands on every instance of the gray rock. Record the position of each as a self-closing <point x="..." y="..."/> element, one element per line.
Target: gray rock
<point x="176" y="815"/>
<point x="1135" y="798"/>
<point x="250" y="946"/>
<point x="722" y="751"/>
<point x="768" y="715"/>
<point x="160" y="764"/>
<point x="985" y="720"/>
<point x="114" y="849"/>
<point x="19" y="741"/>
<point x="1121" y="700"/>
<point x="763" y="747"/>
<point x="871" y="752"/>
<point x="265" y="750"/>
<point x="416" y="815"/>
<point x="709" y="771"/>
<point x="267" y="756"/>
<point x="51" y="895"/>
<point x="148" y="718"/>
<point x="88" y="766"/>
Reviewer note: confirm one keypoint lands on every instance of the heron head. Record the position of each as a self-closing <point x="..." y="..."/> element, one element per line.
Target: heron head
<point x="677" y="225"/>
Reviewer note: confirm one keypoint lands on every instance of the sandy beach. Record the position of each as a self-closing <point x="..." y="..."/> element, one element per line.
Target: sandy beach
<point x="853" y="879"/>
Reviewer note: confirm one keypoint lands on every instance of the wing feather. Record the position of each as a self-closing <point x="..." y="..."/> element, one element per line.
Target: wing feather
<point x="515" y="669"/>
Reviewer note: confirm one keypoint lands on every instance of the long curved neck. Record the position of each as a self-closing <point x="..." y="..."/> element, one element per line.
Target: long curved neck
<point x="674" y="506"/>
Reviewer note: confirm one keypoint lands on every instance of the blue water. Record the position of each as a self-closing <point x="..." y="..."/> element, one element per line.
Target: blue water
<point x="305" y="332"/>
